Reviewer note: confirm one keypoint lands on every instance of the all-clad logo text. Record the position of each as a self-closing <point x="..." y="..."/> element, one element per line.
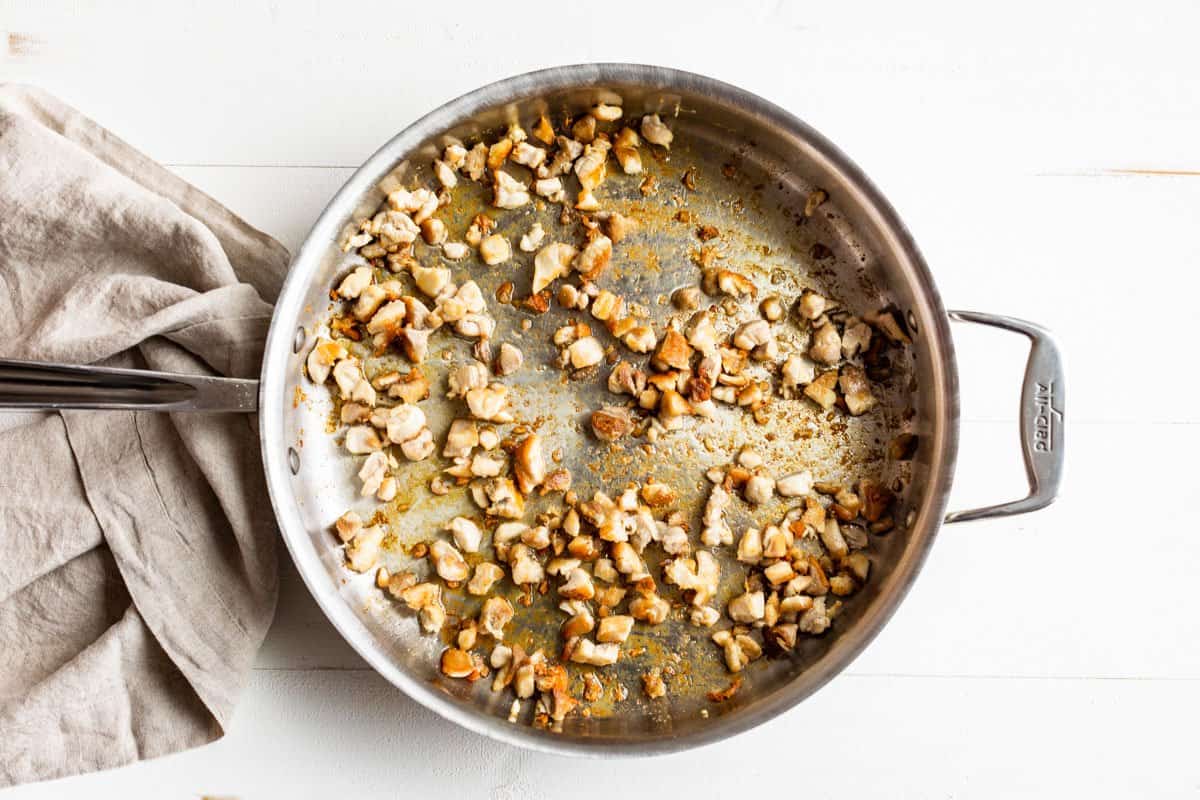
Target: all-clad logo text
<point x="1046" y="417"/>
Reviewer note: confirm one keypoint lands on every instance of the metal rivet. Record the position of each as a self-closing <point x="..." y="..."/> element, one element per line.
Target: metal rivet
<point x="298" y="340"/>
<point x="912" y="321"/>
<point x="293" y="461"/>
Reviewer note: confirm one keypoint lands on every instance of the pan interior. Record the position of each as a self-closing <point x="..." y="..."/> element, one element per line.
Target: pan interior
<point x="753" y="170"/>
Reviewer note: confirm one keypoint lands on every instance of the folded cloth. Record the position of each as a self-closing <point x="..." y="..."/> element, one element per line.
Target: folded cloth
<point x="137" y="550"/>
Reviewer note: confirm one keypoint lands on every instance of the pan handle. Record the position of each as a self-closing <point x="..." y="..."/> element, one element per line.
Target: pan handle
<point x="29" y="385"/>
<point x="1043" y="398"/>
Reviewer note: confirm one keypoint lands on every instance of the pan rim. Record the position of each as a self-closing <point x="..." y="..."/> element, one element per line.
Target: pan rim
<point x="849" y="644"/>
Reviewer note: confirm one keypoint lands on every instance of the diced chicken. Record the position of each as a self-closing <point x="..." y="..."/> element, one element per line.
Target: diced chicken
<point x="447" y="561"/>
<point x="600" y="655"/>
<point x="816" y="619"/>
<point x="354" y="283"/>
<point x="655" y="132"/>
<point x="495" y="615"/>
<point x="610" y="423"/>
<point x="508" y="360"/>
<point x="747" y="607"/>
<point x="372" y="473"/>
<point x="856" y="390"/>
<point x="855" y="339"/>
<point x="503" y="499"/>
<point x="321" y="359"/>
<point x="826" y="347"/>
<point x="716" y="531"/>
<point x="462" y="436"/>
<point x="649" y="608"/>
<point x="532" y="240"/>
<point x="362" y="551"/>
<point x="626" y="152"/>
<point x="751" y="334"/>
<point x="796" y="371"/>
<point x="404" y="423"/>
<point x="811" y="305"/>
<point x="495" y="250"/>
<point x="614" y="629"/>
<point x="797" y="484"/>
<point x="455" y="251"/>
<point x="640" y="339"/>
<point x="362" y="439"/>
<point x="578" y="585"/>
<point x="831" y="537"/>
<point x="594" y="257"/>
<point x="551" y="262"/>
<point x="750" y="546"/>
<point x="585" y="352"/>
<point x="525" y="568"/>
<point x="348" y="525"/>
<point x="508" y="191"/>
<point x="420" y="447"/>
<point x="467" y="535"/>
<point x="528" y="155"/>
<point x="431" y="280"/>
<point x="821" y="390"/>
<point x="465" y="377"/>
<point x="489" y="403"/>
<point x="486" y="576"/>
<point x="529" y="463"/>
<point x="759" y="489"/>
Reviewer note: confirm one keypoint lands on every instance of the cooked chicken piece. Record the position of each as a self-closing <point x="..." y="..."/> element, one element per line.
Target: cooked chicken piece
<point x="759" y="489"/>
<point x="625" y="150"/>
<point x="483" y="466"/>
<point x="655" y="132"/>
<point x="489" y="403"/>
<point x="495" y="250"/>
<point x="476" y="161"/>
<point x="528" y="155"/>
<point x="704" y="617"/>
<point x="372" y="473"/>
<point x="462" y="436"/>
<point x="411" y="387"/>
<point x="525" y="568"/>
<point x="486" y="576"/>
<point x="771" y="308"/>
<point x="821" y="391"/>
<point x="886" y="322"/>
<point x="594" y="257"/>
<point x="797" y="484"/>
<point x="503" y="499"/>
<point x="585" y="352"/>
<point x="649" y="608"/>
<point x="529" y="463"/>
<point x="607" y="306"/>
<point x="455" y="251"/>
<point x="779" y="573"/>
<point x="537" y="538"/>
<point x="750" y="546"/>
<point x="362" y="439"/>
<point x="626" y="559"/>
<point x="508" y="360"/>
<point x="321" y="359"/>
<point x="457" y="663"/>
<point x="673" y="353"/>
<point x="606" y="112"/>
<point x="751" y="334"/>
<point x="716" y="531"/>
<point x="796" y="371"/>
<point x="347" y="374"/>
<point x="431" y="280"/>
<point x="420" y="447"/>
<point x="816" y="619"/>
<point x="658" y="495"/>
<point x="856" y="391"/>
<point x="465" y="377"/>
<point x="495" y="615"/>
<point x="354" y="283"/>
<point x="600" y="655"/>
<point x="826" y="345"/>
<point x="404" y="423"/>
<point x="531" y="240"/>
<point x="626" y="379"/>
<point x="855" y="339"/>
<point x="578" y="585"/>
<point x="467" y="535"/>
<point x="748" y="607"/>
<point x="551" y="262"/>
<point x="589" y="168"/>
<point x="488" y="438"/>
<point x="362" y="551"/>
<point x="445" y="173"/>
<point x="348" y="525"/>
<point x="734" y="284"/>
<point x="614" y="629"/>
<point x="811" y="305"/>
<point x="640" y="339"/>
<point x="447" y="561"/>
<point x="610" y="423"/>
<point x="831" y="537"/>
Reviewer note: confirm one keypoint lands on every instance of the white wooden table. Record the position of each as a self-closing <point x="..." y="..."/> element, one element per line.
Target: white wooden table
<point x="1048" y="161"/>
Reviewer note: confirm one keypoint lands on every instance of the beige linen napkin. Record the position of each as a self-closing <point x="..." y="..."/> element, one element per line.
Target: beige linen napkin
<point x="137" y="550"/>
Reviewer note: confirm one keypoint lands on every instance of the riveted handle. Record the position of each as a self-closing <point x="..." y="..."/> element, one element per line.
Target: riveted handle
<point x="33" y="385"/>
<point x="1043" y="398"/>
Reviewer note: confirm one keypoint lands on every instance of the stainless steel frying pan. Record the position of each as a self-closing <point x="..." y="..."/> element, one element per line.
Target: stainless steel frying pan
<point x="754" y="166"/>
